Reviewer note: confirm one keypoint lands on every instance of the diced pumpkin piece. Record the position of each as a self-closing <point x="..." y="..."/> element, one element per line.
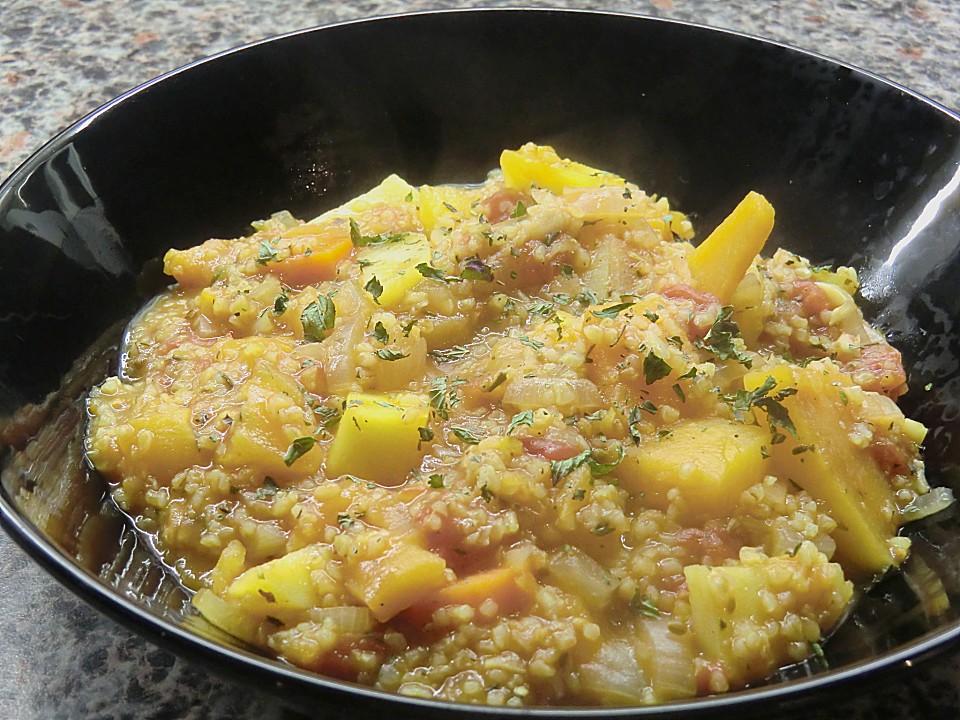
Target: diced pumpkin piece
<point x="162" y="442"/>
<point x="402" y="576"/>
<point x="439" y="200"/>
<point x="394" y="265"/>
<point x="711" y="462"/>
<point x="273" y="430"/>
<point x="739" y="611"/>
<point x="719" y="263"/>
<point x="540" y="166"/>
<point x="225" y="616"/>
<point x="196" y="267"/>
<point x="392" y="190"/>
<point x="378" y="437"/>
<point x="512" y="589"/>
<point x="309" y="253"/>
<point x="825" y="462"/>
<point x="296" y="581"/>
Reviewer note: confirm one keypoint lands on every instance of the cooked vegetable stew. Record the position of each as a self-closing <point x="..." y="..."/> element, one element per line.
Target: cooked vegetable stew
<point x="517" y="443"/>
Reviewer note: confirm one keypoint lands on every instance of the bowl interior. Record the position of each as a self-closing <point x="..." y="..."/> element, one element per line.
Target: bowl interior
<point x="861" y="172"/>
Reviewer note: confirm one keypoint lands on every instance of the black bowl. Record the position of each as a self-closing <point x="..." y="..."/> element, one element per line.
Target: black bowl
<point x="861" y="172"/>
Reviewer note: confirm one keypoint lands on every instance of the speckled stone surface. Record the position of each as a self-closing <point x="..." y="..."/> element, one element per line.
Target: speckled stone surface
<point x="60" y="59"/>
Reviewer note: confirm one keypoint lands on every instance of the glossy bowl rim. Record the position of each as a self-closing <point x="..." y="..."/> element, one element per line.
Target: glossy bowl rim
<point x="184" y="642"/>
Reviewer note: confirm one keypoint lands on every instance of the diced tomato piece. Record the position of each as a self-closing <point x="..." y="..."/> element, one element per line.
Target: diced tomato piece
<point x="549" y="448"/>
<point x="339" y="664"/>
<point x="880" y="369"/>
<point x="811" y="296"/>
<point x="502" y="204"/>
<point x="701" y="302"/>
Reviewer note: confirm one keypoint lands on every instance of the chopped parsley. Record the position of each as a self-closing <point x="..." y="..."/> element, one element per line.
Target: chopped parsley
<point x="375" y="288"/>
<point x="535" y="344"/>
<point x="391" y="355"/>
<point x="559" y="469"/>
<point x="772" y="405"/>
<point x="269" y="489"/>
<point x="435" y="480"/>
<point x="457" y="352"/>
<point x="443" y="395"/>
<point x="520" y="210"/>
<point x="426" y="434"/>
<point x="298" y="448"/>
<point x="380" y="333"/>
<point x="329" y="416"/>
<point x="654" y="368"/>
<point x="318" y="318"/>
<point x="496" y="382"/>
<point x="280" y="303"/>
<point x="467" y="436"/>
<point x="428" y="271"/>
<point x="476" y="269"/>
<point x="612" y="311"/>
<point x="360" y="240"/>
<point x="521" y="418"/>
<point x="720" y="338"/>
<point x="267" y="253"/>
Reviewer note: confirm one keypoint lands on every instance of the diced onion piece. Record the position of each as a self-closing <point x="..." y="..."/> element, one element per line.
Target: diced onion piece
<point x="669" y="665"/>
<point x="579" y="574"/>
<point x="349" y="619"/>
<point x="614" y="676"/>
<point x="939" y="498"/>
<point x="562" y="394"/>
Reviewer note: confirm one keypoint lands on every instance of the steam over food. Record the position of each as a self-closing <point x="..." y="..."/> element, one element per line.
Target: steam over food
<point x="517" y="443"/>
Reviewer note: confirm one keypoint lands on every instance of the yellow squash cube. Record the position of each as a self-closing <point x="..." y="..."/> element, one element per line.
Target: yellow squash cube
<point x="711" y="462"/>
<point x="825" y="462"/>
<point x="295" y="582"/>
<point x="378" y="437"/>
<point x="736" y="609"/>
<point x="719" y="263"/>
<point x="394" y="265"/>
<point x="540" y="166"/>
<point x="403" y="575"/>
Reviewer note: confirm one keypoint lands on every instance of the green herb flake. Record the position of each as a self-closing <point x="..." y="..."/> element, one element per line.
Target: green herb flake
<point x="435" y="481"/>
<point x="720" y="338"/>
<point x="432" y="273"/>
<point x="344" y="520"/>
<point x="280" y="303"/>
<point x="380" y="333"/>
<point x="520" y="210"/>
<point x="655" y="368"/>
<point x="374" y="287"/>
<point x="649" y="407"/>
<point x="678" y="391"/>
<point x="443" y="395"/>
<point x="360" y="240"/>
<point x="496" y="382"/>
<point x="476" y="269"/>
<point x="579" y="494"/>
<point x="651" y="316"/>
<point x="521" y="418"/>
<point x="457" y="352"/>
<point x="644" y="606"/>
<point x="426" y="434"/>
<point x="485" y="493"/>
<point x="535" y="344"/>
<point x="318" y="318"/>
<point x="267" y="253"/>
<point x="298" y="448"/>
<point x="269" y="489"/>
<point x="390" y="355"/>
<point x="329" y="416"/>
<point x="465" y="435"/>
<point x="612" y="311"/>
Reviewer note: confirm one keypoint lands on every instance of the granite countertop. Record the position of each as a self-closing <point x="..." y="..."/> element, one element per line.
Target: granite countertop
<point x="59" y="59"/>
